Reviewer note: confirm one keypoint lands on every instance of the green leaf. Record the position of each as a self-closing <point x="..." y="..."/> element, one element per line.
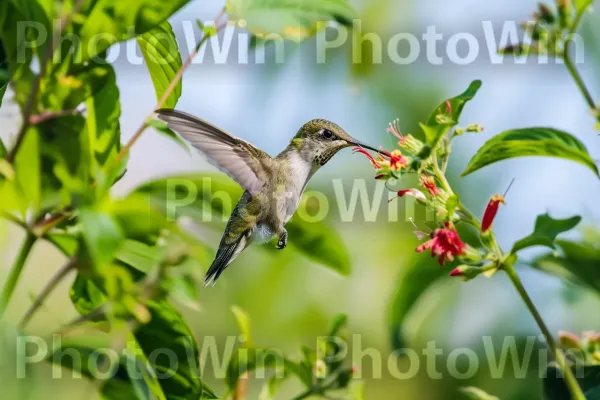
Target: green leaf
<point x="102" y="235"/>
<point x="579" y="263"/>
<point x="319" y="242"/>
<point x="527" y="142"/>
<point x="290" y="19"/>
<point x="86" y="296"/>
<point x="165" y="332"/>
<point x="168" y="330"/>
<point x="243" y="321"/>
<point x="113" y="20"/>
<point x="545" y="232"/>
<point x="436" y="128"/>
<point x="581" y="5"/>
<point x="139" y="255"/>
<point x="477" y="394"/>
<point x="588" y="377"/>
<point x="160" y="51"/>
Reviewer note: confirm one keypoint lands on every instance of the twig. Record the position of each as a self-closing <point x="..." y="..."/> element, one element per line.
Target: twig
<point x="48" y="115"/>
<point x="571" y="66"/>
<point x="50" y="286"/>
<point x="174" y="82"/>
<point x="31" y="103"/>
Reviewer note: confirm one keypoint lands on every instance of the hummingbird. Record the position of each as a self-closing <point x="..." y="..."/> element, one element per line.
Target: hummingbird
<point x="273" y="185"/>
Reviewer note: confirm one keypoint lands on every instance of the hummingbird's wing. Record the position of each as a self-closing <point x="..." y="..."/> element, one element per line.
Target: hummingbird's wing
<point x="237" y="158"/>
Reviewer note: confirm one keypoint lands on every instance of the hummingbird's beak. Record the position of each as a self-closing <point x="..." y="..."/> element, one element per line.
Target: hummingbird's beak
<point x="366" y="146"/>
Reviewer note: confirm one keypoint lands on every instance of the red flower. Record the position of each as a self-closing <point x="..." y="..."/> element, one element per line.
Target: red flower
<point x="361" y="150"/>
<point x="444" y="243"/>
<point x="416" y="193"/>
<point x="397" y="162"/>
<point x="490" y="212"/>
<point x="428" y="182"/>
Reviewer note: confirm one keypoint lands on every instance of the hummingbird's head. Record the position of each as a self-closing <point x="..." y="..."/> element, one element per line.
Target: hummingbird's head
<point x="320" y="139"/>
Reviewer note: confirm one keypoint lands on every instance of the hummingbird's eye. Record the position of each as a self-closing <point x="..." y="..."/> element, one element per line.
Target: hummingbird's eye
<point x="326" y="133"/>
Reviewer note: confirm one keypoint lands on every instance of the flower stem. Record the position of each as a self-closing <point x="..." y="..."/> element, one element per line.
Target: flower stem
<point x="577" y="393"/>
<point x="15" y="272"/>
<point x="572" y="383"/>
<point x="571" y="65"/>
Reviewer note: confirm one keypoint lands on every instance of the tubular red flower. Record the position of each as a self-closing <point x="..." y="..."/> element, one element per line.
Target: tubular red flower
<point x="416" y="193"/>
<point x="428" y="182"/>
<point x="444" y="243"/>
<point x="490" y="212"/>
<point x="364" y="152"/>
<point x="397" y="161"/>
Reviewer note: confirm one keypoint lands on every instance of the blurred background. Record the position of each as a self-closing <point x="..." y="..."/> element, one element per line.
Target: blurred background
<point x="291" y="299"/>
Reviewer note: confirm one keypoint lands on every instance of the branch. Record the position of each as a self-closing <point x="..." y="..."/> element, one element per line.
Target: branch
<point x="50" y="286"/>
<point x="174" y="82"/>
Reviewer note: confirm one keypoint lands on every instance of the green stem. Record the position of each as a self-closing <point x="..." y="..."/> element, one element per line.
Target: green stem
<point x="15" y="272"/>
<point x="572" y="383"/>
<point x="571" y="65"/>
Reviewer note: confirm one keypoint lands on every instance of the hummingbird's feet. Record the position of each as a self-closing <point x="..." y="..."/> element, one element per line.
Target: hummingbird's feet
<point x="282" y="240"/>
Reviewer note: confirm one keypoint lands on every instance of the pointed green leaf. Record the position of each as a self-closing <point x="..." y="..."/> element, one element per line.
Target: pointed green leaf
<point x="457" y="104"/>
<point x="290" y="19"/>
<point x="581" y="5"/>
<point x="435" y="129"/>
<point x="163" y="60"/>
<point x="102" y="235"/>
<point x="545" y="232"/>
<point x="113" y="20"/>
<point x="547" y="142"/>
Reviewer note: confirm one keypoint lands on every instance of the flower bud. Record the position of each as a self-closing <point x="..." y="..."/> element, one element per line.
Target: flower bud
<point x="490" y="212"/>
<point x="569" y="340"/>
<point x="411" y="144"/>
<point x="475" y="128"/>
<point x="565" y="11"/>
<point x="428" y="183"/>
<point x="320" y="369"/>
<point x="466" y="272"/>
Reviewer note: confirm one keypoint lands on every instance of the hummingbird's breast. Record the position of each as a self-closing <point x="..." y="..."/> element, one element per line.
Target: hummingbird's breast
<point x="291" y="184"/>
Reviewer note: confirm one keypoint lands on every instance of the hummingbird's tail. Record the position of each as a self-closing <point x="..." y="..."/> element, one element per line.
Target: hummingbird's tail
<point x="225" y="255"/>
